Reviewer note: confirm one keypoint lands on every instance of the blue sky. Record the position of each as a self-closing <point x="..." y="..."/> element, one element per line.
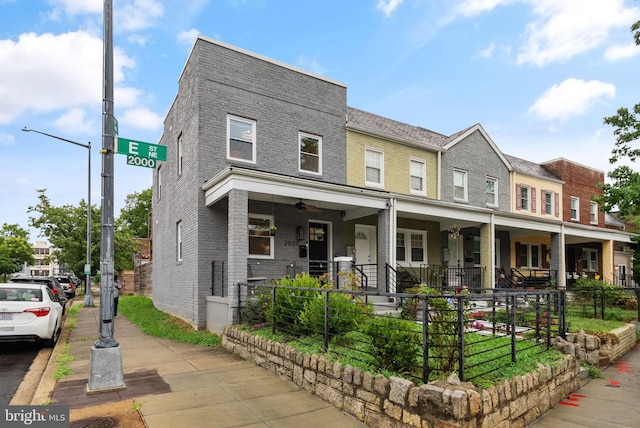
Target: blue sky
<point x="538" y="75"/>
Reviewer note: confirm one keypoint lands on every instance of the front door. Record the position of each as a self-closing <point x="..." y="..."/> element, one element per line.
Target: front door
<point x="318" y="248"/>
<point x="365" y="257"/>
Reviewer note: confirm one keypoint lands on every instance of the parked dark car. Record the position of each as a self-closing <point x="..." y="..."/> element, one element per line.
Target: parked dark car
<point x="67" y="285"/>
<point x="52" y="283"/>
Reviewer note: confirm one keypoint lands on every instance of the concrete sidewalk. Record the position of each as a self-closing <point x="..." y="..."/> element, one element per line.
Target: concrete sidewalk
<point x="610" y="401"/>
<point x="175" y="384"/>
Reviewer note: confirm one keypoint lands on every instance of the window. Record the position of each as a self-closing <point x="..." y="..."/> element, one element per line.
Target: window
<point x="418" y="173"/>
<point x="524" y="198"/>
<point x="547" y="202"/>
<point x="179" y="241"/>
<point x="159" y="182"/>
<point x="476" y="251"/>
<point x="180" y="155"/>
<point x="310" y="153"/>
<point x="575" y="208"/>
<point x="528" y="255"/>
<point x="590" y="259"/>
<point x="460" y="185"/>
<point x="242" y="139"/>
<point x="374" y="168"/>
<point x="492" y="191"/>
<point x="260" y="239"/>
<point x="593" y="212"/>
<point x="410" y="246"/>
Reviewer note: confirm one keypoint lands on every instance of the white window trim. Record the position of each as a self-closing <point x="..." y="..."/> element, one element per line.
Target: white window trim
<point x="372" y="183"/>
<point x="593" y="214"/>
<point x="528" y="207"/>
<point x="272" y="238"/>
<point x="423" y="170"/>
<point x="465" y="184"/>
<point x="495" y="191"/>
<point x="179" y="242"/>
<point x="316" y="137"/>
<point x="577" y="200"/>
<point x="407" y="240"/>
<point x="253" y="138"/>
<point x="590" y="251"/>
<point x="544" y="202"/>
<point x="180" y="155"/>
<point x="530" y="254"/>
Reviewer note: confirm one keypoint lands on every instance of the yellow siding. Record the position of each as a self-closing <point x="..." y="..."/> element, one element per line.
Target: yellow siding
<point x="396" y="163"/>
<point x="539" y="184"/>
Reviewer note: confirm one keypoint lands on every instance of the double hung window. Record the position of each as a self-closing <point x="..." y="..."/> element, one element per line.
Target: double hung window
<point x="310" y="153"/>
<point x="593" y="213"/>
<point x="492" y="191"/>
<point x="459" y="185"/>
<point x="260" y="239"/>
<point x="374" y="168"/>
<point x="410" y="246"/>
<point x="241" y="137"/>
<point x="575" y="208"/>
<point x="418" y="172"/>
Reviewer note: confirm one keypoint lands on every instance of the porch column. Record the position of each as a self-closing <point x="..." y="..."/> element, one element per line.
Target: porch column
<point x="557" y="256"/>
<point x="386" y="223"/>
<point x="487" y="256"/>
<point x="607" y="261"/>
<point x="237" y="246"/>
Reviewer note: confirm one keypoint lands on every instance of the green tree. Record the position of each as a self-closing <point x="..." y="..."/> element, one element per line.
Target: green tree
<point x="624" y="190"/>
<point x="135" y="214"/>
<point x="15" y="249"/>
<point x="65" y="227"/>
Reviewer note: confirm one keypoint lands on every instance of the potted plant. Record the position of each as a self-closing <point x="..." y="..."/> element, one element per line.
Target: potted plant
<point x="319" y="233"/>
<point x="272" y="230"/>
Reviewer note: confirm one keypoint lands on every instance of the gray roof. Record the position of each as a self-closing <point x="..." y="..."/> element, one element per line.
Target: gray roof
<point x="393" y="128"/>
<point x="530" y="168"/>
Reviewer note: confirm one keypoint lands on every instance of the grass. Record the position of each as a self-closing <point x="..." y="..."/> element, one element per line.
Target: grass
<point x="140" y="311"/>
<point x="62" y="362"/>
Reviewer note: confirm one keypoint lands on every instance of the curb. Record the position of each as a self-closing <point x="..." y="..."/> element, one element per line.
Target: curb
<point x="38" y="384"/>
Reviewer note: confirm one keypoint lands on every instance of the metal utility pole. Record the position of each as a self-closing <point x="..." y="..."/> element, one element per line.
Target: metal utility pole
<point x="88" y="298"/>
<point x="106" y="356"/>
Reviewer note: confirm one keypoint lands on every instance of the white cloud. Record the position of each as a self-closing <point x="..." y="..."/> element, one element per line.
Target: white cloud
<point x="488" y="51"/>
<point x="469" y="8"/>
<point x="138" y="15"/>
<point x="567" y="28"/>
<point x="311" y="63"/>
<point x="7" y="139"/>
<point x="74" y="121"/>
<point x="139" y="39"/>
<point x="77" y="7"/>
<point x="54" y="73"/>
<point x="141" y="118"/>
<point x="388" y="6"/>
<point x="617" y="52"/>
<point x="188" y="37"/>
<point x="570" y="98"/>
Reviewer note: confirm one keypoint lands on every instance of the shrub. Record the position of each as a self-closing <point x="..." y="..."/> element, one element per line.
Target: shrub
<point x="345" y="313"/>
<point x="289" y="302"/>
<point x="395" y="343"/>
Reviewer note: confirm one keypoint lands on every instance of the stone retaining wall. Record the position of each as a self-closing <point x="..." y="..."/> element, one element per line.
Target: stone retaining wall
<point x="397" y="402"/>
<point x="595" y="351"/>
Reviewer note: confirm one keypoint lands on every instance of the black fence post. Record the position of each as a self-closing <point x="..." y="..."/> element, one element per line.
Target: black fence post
<point x="461" y="301"/>
<point x="425" y="340"/>
<point x="326" y="321"/>
<point x="512" y="325"/>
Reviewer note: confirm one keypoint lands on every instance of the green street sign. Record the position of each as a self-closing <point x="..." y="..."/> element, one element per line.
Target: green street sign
<point x="140" y="161"/>
<point x="115" y="126"/>
<point x="141" y="149"/>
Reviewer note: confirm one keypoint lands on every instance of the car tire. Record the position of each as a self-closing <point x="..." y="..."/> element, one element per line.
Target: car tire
<point x="50" y="343"/>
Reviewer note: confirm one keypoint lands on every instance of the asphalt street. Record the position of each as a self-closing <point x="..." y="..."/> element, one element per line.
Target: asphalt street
<point x="15" y="360"/>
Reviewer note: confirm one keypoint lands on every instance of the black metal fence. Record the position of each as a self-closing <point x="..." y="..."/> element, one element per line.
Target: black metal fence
<point x="607" y="302"/>
<point x="420" y="336"/>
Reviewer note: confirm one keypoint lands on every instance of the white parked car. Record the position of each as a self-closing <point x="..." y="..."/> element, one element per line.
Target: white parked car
<point x="29" y="312"/>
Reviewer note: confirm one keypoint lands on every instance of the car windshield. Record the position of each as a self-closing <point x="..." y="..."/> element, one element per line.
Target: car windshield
<point x="20" y="294"/>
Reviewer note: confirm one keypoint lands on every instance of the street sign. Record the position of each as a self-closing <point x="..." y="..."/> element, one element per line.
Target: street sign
<point x="115" y="126"/>
<point x="140" y="161"/>
<point x="141" y="149"/>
